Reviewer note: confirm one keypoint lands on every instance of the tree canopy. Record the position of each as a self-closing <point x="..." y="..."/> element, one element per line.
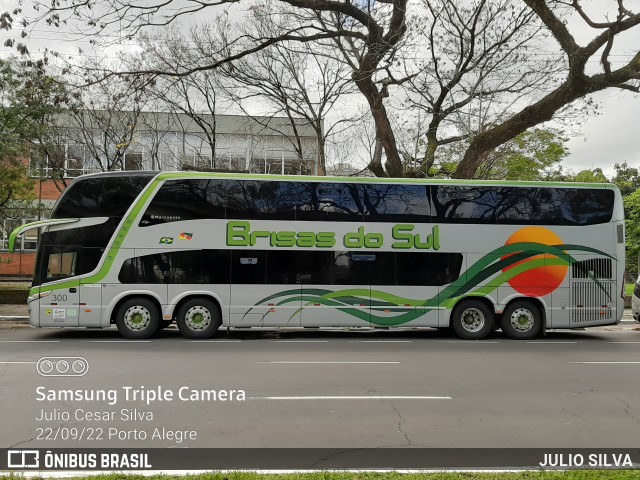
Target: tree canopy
<point x="28" y="98"/>
<point x="480" y="72"/>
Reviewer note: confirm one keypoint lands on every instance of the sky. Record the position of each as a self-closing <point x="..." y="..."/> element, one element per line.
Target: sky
<point x="601" y="141"/>
<point x="609" y="138"/>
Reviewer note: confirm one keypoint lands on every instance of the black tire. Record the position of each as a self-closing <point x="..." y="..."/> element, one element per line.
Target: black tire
<point x="522" y="320"/>
<point x="137" y="318"/>
<point x="472" y="320"/>
<point x="199" y="318"/>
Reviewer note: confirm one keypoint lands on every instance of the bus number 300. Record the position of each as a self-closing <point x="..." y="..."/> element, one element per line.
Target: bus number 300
<point x="59" y="298"/>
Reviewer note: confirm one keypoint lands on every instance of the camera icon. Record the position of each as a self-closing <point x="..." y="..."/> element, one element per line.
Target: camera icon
<point x="62" y="366"/>
<point x="23" y="459"/>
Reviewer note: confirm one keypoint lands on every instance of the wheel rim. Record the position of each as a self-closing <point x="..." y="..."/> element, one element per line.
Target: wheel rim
<point x="197" y="318"/>
<point x="522" y="320"/>
<point x="472" y="320"/>
<point x="137" y="318"/>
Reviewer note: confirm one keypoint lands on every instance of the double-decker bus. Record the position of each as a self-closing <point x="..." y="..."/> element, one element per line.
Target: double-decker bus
<point x="207" y="250"/>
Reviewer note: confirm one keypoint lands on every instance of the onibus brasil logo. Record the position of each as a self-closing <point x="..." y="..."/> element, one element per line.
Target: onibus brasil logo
<point x="534" y="261"/>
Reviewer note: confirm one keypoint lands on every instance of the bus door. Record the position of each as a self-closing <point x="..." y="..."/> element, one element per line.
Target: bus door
<point x="265" y="305"/>
<point x="261" y="297"/>
<point x="90" y="307"/>
<point x="75" y="302"/>
<point x="60" y="308"/>
<point x="339" y="294"/>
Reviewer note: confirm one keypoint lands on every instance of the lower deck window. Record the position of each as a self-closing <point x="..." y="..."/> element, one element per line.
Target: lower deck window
<point x="272" y="267"/>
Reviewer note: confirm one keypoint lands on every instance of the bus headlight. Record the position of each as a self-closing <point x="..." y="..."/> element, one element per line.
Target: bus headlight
<point x="31" y="298"/>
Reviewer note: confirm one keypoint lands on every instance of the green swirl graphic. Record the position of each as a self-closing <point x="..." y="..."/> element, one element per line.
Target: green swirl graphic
<point x="499" y="266"/>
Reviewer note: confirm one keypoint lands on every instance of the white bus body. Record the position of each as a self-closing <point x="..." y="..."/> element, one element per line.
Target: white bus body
<point x="223" y="250"/>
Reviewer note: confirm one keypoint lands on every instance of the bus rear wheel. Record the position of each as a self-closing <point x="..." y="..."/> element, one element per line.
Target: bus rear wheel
<point x="137" y="318"/>
<point x="521" y="320"/>
<point x="472" y="320"/>
<point x="198" y="318"/>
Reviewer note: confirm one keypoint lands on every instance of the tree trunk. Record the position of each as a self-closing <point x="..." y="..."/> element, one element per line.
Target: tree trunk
<point x="484" y="143"/>
<point x="393" y="166"/>
<point x="430" y="153"/>
<point x="320" y="167"/>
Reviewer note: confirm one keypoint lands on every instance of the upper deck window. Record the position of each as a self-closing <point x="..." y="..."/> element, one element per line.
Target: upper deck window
<point x="100" y="196"/>
<point x="191" y="199"/>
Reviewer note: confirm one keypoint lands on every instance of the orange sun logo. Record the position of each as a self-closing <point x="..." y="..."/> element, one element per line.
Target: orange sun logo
<point x="539" y="281"/>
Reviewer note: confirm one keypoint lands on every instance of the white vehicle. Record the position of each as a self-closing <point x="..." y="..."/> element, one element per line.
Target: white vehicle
<point x="142" y="250"/>
<point x="635" y="301"/>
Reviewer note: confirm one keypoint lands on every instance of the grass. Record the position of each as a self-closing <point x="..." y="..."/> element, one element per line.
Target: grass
<point x="628" y="289"/>
<point x="13" y="293"/>
<point x="541" y="475"/>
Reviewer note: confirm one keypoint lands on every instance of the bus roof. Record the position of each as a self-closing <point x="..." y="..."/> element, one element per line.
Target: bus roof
<point x="421" y="181"/>
<point x="176" y="175"/>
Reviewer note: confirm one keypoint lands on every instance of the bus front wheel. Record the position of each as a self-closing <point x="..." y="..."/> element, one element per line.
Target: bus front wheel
<point x="472" y="320"/>
<point x="521" y="320"/>
<point x="198" y="318"/>
<point x="137" y="318"/>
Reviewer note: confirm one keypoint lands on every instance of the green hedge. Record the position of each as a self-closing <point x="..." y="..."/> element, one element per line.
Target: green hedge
<point x="13" y="297"/>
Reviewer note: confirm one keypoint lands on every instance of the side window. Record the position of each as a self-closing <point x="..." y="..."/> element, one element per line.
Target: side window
<point x="341" y="202"/>
<point x="88" y="259"/>
<point x="427" y="268"/>
<point x="556" y="206"/>
<point x="461" y="204"/>
<point x="186" y="266"/>
<point x="248" y="266"/>
<point x="314" y="267"/>
<point x="383" y="269"/>
<point x="351" y="268"/>
<point x="282" y="267"/>
<point x="249" y="199"/>
<point x="180" y="200"/>
<point x="525" y="206"/>
<point x="200" y="198"/>
<point x="586" y="206"/>
<point x="100" y="197"/>
<point x="298" y="267"/>
<point x="216" y="266"/>
<point x="397" y="203"/>
<point x="151" y="269"/>
<point x="60" y="262"/>
<point x="171" y="267"/>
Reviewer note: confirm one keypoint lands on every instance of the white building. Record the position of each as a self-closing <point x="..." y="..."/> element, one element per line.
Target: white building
<point x="93" y="141"/>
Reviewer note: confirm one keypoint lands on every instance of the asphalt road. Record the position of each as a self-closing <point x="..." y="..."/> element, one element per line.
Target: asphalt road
<point x="323" y="389"/>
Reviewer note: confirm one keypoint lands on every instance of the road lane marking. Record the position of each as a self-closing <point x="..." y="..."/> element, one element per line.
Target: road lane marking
<point x="299" y="341"/>
<point x="535" y="342"/>
<point x="468" y="342"/>
<point x="607" y="363"/>
<point x="357" y="397"/>
<point x="622" y="342"/>
<point x="119" y="341"/>
<point x="212" y="341"/>
<point x="325" y="363"/>
<point x="30" y="341"/>
<point x="380" y="341"/>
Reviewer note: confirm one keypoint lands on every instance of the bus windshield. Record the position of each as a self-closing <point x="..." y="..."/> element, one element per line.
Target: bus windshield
<point x="77" y="250"/>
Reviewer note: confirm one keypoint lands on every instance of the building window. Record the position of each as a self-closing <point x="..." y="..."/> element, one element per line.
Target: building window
<point x="26" y="242"/>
